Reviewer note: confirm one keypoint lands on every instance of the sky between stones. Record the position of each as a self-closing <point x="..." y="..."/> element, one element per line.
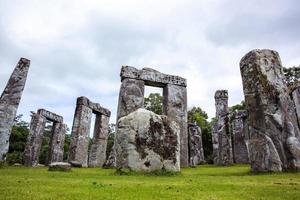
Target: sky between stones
<point x="77" y="49"/>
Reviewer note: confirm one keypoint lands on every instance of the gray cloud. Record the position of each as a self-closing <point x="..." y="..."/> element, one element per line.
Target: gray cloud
<point x="77" y="49"/>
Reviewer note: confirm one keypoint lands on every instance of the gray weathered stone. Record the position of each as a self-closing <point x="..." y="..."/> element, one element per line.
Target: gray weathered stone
<point x="240" y="137"/>
<point x="97" y="156"/>
<point x="35" y="138"/>
<point x="60" y="166"/>
<point x="111" y="160"/>
<point x="50" y="115"/>
<point x="196" y="154"/>
<point x="80" y="133"/>
<point x="151" y="77"/>
<point x="56" y="146"/>
<point x="175" y="107"/>
<point x="131" y="98"/>
<point x="9" y="102"/>
<point x="215" y="143"/>
<point x="225" y="156"/>
<point x="147" y="142"/>
<point x="295" y="95"/>
<point x="274" y="132"/>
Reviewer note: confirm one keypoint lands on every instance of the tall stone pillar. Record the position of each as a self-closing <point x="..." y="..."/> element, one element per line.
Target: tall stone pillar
<point x="9" y="102"/>
<point x="80" y="134"/>
<point x="97" y="156"/>
<point x="196" y="154"/>
<point x="131" y="96"/>
<point x="215" y="143"/>
<point x="175" y="107"/>
<point x="240" y="137"/>
<point x="224" y="138"/>
<point x="56" y="146"/>
<point x="34" y="140"/>
<point x="274" y="134"/>
<point x="296" y="98"/>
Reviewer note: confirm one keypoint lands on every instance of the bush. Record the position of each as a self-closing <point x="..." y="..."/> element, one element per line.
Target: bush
<point x="14" y="157"/>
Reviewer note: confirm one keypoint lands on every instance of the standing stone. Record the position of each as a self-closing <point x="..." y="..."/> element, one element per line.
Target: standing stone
<point x="131" y="96"/>
<point x="240" y="137"/>
<point x="147" y="142"/>
<point x="9" y="102"/>
<point x="274" y="133"/>
<point x="80" y="134"/>
<point x="34" y="140"/>
<point x="196" y="154"/>
<point x="56" y="146"/>
<point x="175" y="107"/>
<point x="97" y="155"/>
<point x="225" y="156"/>
<point x="175" y="98"/>
<point x="215" y="143"/>
<point x="295" y="94"/>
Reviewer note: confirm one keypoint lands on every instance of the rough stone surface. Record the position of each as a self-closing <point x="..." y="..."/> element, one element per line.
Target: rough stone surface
<point x="196" y="154"/>
<point x="240" y="137"/>
<point x="80" y="133"/>
<point x="97" y="155"/>
<point x="225" y="155"/>
<point x="60" y="166"/>
<point x="111" y="160"/>
<point x="35" y="138"/>
<point x="175" y="107"/>
<point x="131" y="97"/>
<point x="274" y="132"/>
<point x="151" y="76"/>
<point x="295" y="95"/>
<point x="215" y="143"/>
<point x="50" y="115"/>
<point x="147" y="142"/>
<point x="56" y="146"/>
<point x="9" y="102"/>
<point x="96" y="107"/>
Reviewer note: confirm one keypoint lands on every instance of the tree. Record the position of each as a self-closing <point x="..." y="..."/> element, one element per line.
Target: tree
<point x="154" y="103"/>
<point x="17" y="140"/>
<point x="110" y="139"/>
<point x="200" y="117"/>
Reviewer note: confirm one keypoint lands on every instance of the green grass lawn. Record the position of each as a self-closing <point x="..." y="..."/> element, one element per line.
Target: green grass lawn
<point x="203" y="182"/>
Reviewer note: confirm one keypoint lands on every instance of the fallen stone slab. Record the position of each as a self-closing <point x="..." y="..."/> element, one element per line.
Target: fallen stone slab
<point x="60" y="166"/>
<point x="75" y="164"/>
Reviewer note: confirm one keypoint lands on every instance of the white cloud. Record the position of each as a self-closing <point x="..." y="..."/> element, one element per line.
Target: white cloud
<point x="78" y="48"/>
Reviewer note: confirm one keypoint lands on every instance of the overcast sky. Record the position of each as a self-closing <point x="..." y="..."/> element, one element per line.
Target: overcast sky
<point x="77" y="49"/>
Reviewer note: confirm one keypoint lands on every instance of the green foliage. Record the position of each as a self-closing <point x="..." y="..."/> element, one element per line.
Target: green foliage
<point x="232" y="109"/>
<point x="17" y="141"/>
<point x="199" y="116"/>
<point x="203" y="182"/>
<point x="14" y="157"/>
<point x="154" y="103"/>
<point x="240" y="106"/>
